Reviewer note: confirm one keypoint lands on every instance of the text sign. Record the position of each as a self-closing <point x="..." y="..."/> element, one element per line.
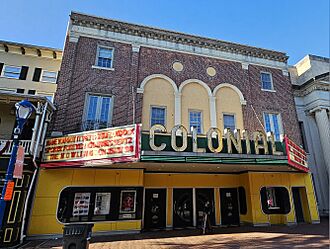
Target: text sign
<point x="118" y="142"/>
<point x="18" y="170"/>
<point x="9" y="191"/>
<point x="296" y="156"/>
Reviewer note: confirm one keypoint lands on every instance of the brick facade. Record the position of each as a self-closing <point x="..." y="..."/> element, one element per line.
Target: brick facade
<point x="131" y="67"/>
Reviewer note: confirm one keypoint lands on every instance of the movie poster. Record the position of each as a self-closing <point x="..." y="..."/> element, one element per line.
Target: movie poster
<point x="127" y="201"/>
<point x="102" y="203"/>
<point x="81" y="204"/>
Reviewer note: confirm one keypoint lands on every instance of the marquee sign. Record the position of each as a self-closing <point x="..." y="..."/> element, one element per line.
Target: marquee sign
<point x="297" y="157"/>
<point x="119" y="144"/>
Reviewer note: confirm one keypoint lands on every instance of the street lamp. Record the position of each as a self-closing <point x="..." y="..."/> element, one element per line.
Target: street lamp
<point x="24" y="110"/>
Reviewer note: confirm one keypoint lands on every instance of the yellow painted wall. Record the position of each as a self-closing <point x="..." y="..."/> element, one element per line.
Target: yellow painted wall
<point x="228" y="101"/>
<point x="195" y="97"/>
<point x="158" y="92"/>
<point x="288" y="180"/>
<point x="252" y="183"/>
<point x="51" y="182"/>
<point x="15" y="58"/>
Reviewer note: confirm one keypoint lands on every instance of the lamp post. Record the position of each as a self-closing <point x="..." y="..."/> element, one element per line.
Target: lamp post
<point x="24" y="110"/>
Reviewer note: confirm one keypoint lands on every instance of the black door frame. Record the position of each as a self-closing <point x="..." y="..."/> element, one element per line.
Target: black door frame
<point x="144" y="204"/>
<point x="213" y="216"/>
<point x="300" y="202"/>
<point x="221" y="205"/>
<point x="193" y="209"/>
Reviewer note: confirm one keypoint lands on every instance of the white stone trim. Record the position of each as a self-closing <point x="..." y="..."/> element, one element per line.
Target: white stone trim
<point x="209" y="92"/>
<point x="240" y="94"/>
<point x="155" y="76"/>
<point x="245" y="65"/>
<point x="177" y="109"/>
<point x="213" y="118"/>
<point x="77" y="31"/>
<point x="135" y="48"/>
<point x="285" y="72"/>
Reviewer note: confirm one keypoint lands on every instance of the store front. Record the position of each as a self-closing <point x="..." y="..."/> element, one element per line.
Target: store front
<point x="168" y="189"/>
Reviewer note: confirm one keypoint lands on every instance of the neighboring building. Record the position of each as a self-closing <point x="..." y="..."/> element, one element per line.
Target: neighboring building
<point x="26" y="72"/>
<point x="117" y="74"/>
<point x="29" y="69"/>
<point x="310" y="79"/>
<point x="17" y="209"/>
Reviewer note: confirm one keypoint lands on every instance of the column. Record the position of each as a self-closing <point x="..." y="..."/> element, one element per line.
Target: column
<point x="213" y="114"/>
<point x="177" y="108"/>
<point x="323" y="126"/>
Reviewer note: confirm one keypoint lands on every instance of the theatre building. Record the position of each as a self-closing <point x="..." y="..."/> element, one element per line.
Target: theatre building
<point x="151" y="124"/>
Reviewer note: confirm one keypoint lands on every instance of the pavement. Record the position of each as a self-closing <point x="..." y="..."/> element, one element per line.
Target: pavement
<point x="300" y="236"/>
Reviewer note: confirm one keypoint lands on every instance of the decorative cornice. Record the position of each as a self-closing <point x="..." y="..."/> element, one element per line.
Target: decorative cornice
<point x="172" y="36"/>
<point x="315" y="86"/>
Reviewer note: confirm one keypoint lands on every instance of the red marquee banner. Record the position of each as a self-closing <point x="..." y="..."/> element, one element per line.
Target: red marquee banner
<point x="91" y="148"/>
<point x="297" y="157"/>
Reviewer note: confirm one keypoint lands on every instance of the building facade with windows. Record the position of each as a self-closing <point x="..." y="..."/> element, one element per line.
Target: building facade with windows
<point x="310" y="79"/>
<point x="29" y="69"/>
<point x="26" y="72"/>
<point x="208" y="118"/>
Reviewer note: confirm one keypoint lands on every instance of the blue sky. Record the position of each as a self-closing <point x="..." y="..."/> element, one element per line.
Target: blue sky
<point x="297" y="27"/>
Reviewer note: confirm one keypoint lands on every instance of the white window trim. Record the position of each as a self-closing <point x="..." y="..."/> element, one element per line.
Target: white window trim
<point x="271" y="82"/>
<point x="280" y="125"/>
<point x="195" y="110"/>
<point x="158" y="106"/>
<point x="3" y="71"/>
<point x="86" y="103"/>
<point x="223" y="119"/>
<point x="42" y="73"/>
<point x="97" y="56"/>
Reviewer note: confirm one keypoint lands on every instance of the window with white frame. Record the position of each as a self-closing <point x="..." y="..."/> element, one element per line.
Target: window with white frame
<point x="97" y="112"/>
<point x="157" y="115"/>
<point x="104" y="57"/>
<point x="12" y="72"/>
<point x="48" y="76"/>
<point x="195" y="120"/>
<point x="266" y="81"/>
<point x="273" y="124"/>
<point x="229" y="121"/>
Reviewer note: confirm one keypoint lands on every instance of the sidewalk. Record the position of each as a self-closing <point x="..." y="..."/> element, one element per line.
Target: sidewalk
<point x="301" y="236"/>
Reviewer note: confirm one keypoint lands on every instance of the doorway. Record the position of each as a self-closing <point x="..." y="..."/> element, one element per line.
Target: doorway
<point x="155" y="209"/>
<point x="202" y="196"/>
<point x="182" y="208"/>
<point x="229" y="206"/>
<point x="300" y="203"/>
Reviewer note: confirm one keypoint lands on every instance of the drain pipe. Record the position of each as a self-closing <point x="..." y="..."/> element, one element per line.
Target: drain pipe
<point x="36" y="151"/>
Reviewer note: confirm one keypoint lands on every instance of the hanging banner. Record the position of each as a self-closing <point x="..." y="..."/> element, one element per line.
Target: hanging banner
<point x="297" y="157"/>
<point x="18" y="170"/>
<point x="118" y="144"/>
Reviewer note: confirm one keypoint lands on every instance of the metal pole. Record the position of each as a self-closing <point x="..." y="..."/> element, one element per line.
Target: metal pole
<point x="10" y="170"/>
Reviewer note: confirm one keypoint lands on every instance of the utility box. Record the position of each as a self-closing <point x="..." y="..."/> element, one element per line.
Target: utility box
<point x="77" y="236"/>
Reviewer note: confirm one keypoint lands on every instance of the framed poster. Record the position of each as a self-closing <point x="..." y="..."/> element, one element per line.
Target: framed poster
<point x="102" y="203"/>
<point x="81" y="204"/>
<point x="127" y="201"/>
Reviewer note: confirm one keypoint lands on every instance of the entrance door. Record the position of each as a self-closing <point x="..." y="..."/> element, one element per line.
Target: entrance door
<point x="202" y="196"/>
<point x="298" y="205"/>
<point x="182" y="208"/>
<point x="229" y="206"/>
<point x="155" y="209"/>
